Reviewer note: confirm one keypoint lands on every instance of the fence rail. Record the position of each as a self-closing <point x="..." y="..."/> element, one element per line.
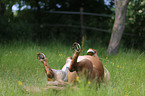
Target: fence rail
<point x="87" y="28"/>
<point x="78" y="26"/>
<point x="78" y="13"/>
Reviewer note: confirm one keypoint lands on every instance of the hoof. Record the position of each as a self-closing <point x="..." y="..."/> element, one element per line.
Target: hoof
<point x="40" y="56"/>
<point x="76" y="47"/>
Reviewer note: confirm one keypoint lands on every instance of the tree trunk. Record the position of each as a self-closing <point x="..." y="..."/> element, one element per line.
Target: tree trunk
<point x="118" y="27"/>
<point x="82" y="26"/>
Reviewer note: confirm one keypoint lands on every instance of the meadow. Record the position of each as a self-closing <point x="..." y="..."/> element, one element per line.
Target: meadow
<point x="21" y="74"/>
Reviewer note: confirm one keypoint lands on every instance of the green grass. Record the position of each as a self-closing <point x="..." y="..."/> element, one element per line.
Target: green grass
<point x="18" y="62"/>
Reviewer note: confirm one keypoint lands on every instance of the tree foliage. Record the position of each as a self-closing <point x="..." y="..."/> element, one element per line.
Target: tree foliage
<point x="135" y="24"/>
<point x="36" y="14"/>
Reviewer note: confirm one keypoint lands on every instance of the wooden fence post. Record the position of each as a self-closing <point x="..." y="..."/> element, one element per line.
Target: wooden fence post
<point x="82" y="26"/>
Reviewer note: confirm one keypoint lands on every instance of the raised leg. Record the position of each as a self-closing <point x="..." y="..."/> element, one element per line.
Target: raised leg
<point x="84" y="67"/>
<point x="77" y="50"/>
<point x="41" y="57"/>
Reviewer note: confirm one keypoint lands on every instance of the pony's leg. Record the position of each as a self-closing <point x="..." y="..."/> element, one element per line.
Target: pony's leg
<point x="77" y="50"/>
<point x="49" y="72"/>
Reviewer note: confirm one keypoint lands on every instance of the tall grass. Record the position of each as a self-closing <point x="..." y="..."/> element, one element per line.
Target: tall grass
<point x="22" y="74"/>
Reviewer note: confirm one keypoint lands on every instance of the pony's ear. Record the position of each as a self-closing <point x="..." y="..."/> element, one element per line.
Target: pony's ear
<point x="69" y="57"/>
<point x="94" y="51"/>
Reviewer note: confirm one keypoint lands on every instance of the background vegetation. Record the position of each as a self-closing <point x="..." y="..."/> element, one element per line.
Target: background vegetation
<point x="33" y="21"/>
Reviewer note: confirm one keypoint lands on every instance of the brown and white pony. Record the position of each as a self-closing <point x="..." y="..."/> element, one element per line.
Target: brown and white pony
<point x="88" y="65"/>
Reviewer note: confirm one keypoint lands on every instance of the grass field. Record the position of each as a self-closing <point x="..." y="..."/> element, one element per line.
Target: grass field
<point x="21" y="74"/>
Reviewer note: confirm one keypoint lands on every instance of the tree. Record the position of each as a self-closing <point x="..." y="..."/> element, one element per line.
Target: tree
<point x="118" y="27"/>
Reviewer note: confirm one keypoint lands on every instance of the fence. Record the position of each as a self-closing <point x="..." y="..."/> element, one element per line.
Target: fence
<point x="81" y="26"/>
<point x="81" y="13"/>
